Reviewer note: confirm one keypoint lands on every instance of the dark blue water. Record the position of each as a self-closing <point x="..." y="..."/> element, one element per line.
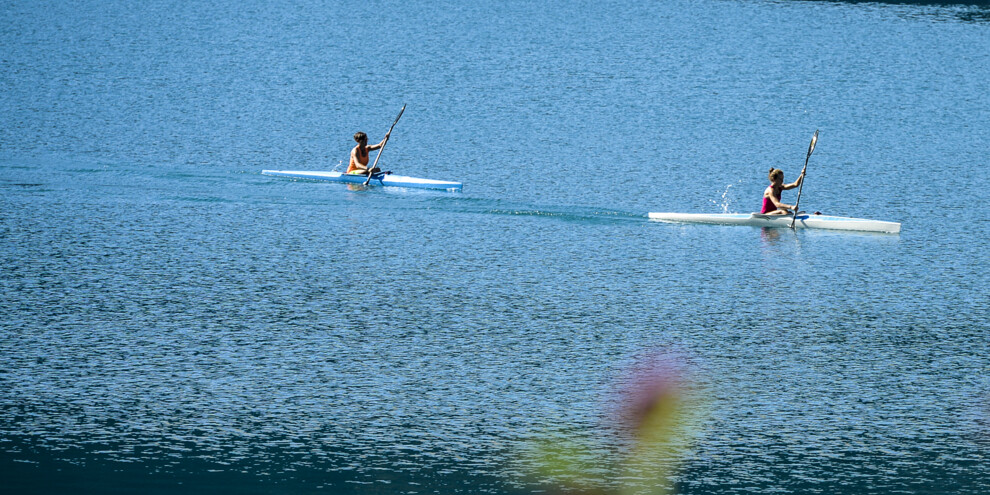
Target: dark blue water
<point x="170" y="319"/>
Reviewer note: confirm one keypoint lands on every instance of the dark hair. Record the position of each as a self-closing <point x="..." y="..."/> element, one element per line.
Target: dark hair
<point x="774" y="172"/>
<point x="360" y="136"/>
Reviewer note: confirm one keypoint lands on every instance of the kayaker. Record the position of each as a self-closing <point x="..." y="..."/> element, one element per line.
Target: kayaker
<point x="771" y="196"/>
<point x="359" y="155"/>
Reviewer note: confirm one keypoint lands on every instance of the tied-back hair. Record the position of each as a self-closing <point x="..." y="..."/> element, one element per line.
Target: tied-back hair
<point x="774" y="172"/>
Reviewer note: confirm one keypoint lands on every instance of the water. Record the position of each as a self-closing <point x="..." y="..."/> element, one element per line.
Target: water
<point x="172" y="319"/>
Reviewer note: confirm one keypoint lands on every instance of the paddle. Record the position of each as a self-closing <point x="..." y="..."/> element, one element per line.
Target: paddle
<point x="811" y="147"/>
<point x="387" y="135"/>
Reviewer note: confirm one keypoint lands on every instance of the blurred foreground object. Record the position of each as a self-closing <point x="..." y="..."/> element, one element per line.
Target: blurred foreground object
<point x="647" y="430"/>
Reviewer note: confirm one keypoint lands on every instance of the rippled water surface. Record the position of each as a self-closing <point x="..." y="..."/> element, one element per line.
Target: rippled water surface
<point x="171" y="319"/>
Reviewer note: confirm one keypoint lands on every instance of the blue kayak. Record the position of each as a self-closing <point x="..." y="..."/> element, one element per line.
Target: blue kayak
<point x="384" y="179"/>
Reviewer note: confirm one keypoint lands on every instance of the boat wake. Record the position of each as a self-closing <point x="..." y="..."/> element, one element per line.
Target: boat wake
<point x="572" y="214"/>
<point x="581" y="214"/>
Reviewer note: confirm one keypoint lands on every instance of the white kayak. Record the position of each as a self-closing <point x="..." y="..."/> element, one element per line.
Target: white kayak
<point x="376" y="180"/>
<point x="804" y="221"/>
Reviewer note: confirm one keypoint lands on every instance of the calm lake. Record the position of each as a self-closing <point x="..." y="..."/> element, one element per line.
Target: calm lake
<point x="172" y="320"/>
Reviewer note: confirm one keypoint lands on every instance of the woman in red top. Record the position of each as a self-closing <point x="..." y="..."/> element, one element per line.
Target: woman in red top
<point x="771" y="196"/>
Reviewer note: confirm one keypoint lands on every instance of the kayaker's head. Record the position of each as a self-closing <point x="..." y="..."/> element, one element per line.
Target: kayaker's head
<point x="776" y="175"/>
<point x="361" y="137"/>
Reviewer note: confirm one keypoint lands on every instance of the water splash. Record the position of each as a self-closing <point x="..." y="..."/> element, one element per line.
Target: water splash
<point x="726" y="199"/>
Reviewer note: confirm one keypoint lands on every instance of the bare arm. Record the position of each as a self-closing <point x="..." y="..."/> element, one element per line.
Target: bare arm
<point x="379" y="145"/>
<point x="796" y="183"/>
<point x="776" y="202"/>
